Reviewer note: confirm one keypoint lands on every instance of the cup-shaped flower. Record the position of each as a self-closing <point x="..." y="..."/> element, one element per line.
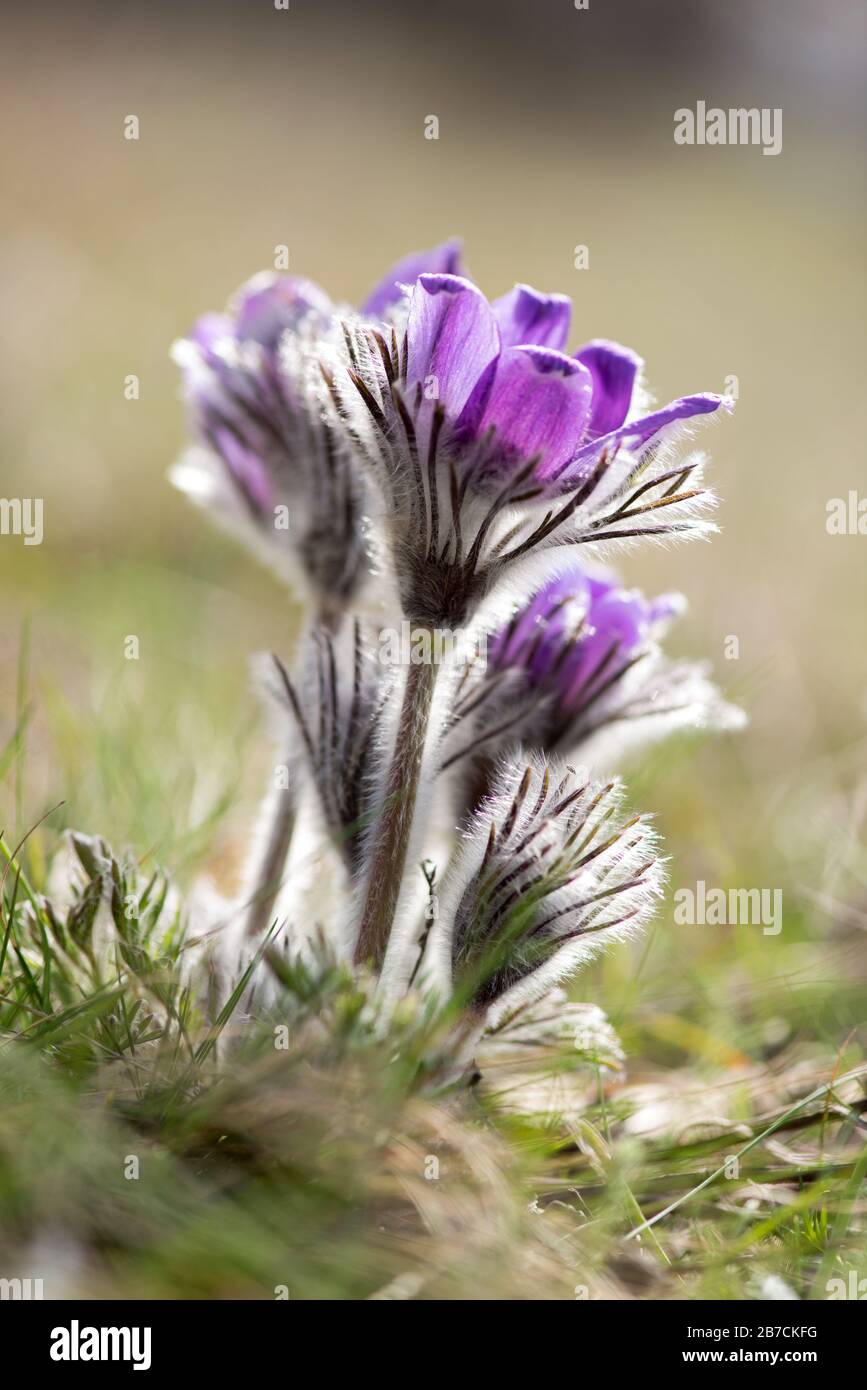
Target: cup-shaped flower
<point x="550" y="870"/>
<point x="489" y="443"/>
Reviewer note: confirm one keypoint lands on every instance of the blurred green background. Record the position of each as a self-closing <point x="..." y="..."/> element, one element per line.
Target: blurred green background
<point x="306" y="127"/>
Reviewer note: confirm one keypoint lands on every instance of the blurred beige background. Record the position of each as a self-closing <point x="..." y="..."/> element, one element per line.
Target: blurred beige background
<point x="306" y="127"/>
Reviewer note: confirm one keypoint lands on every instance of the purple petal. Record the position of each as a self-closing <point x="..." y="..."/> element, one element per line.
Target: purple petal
<point x="208" y="330"/>
<point x="246" y="468"/>
<point x="638" y="432"/>
<point x="617" y="616"/>
<point x="580" y="630"/>
<point x="614" y="370"/>
<point x="267" y="305"/>
<point x="620" y="622"/>
<point x="661" y="610"/>
<point x="539" y="632"/>
<point x="442" y="260"/>
<point x="527" y="317"/>
<point x="452" y="336"/>
<point x="683" y="409"/>
<point x="537" y="404"/>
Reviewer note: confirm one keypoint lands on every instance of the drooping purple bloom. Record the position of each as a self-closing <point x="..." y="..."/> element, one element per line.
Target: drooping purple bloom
<point x="580" y="658"/>
<point x="580" y="631"/>
<point x="241" y="404"/>
<point x="489" y="441"/>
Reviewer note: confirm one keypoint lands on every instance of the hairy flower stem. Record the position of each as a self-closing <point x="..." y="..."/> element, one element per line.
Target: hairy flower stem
<point x="269" y="863"/>
<point x="394" y="825"/>
<point x="278" y="817"/>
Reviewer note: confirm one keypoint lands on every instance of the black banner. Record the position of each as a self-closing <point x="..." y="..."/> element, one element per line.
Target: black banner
<point x="220" y="1339"/>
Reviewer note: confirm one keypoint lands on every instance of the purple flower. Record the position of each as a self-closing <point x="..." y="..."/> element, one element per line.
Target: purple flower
<point x="273" y="467"/>
<point x="512" y="392"/>
<point x="489" y="441"/>
<point x="579" y="631"/>
<point x="580" y="660"/>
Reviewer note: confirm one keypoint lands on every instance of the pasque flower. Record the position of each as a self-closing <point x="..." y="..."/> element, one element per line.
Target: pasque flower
<point x="549" y="871"/>
<point x="576" y="628"/>
<point x="272" y="467"/>
<point x="487" y="445"/>
<point x="460" y="443"/>
<point x="489" y="442"/>
<point x="580" y="659"/>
